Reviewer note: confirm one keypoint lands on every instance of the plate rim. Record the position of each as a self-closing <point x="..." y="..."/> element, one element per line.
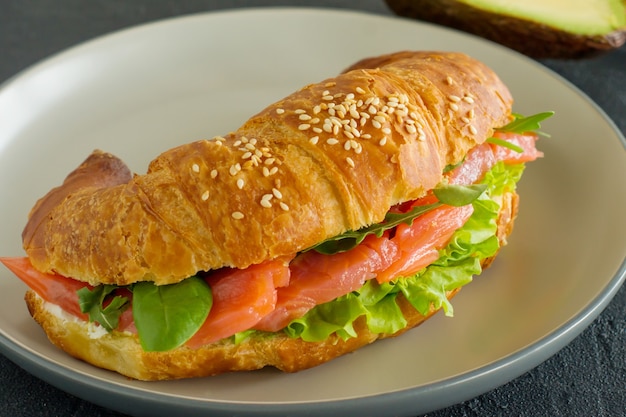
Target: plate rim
<point x="80" y="384"/>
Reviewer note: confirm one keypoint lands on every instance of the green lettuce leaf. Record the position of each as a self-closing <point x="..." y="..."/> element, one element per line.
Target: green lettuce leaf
<point x="459" y="261"/>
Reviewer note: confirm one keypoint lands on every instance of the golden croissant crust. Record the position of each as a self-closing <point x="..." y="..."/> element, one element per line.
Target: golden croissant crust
<point x="331" y="157"/>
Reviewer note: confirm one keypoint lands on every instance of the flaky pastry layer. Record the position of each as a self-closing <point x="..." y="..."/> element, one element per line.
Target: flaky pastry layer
<point x="331" y="157"/>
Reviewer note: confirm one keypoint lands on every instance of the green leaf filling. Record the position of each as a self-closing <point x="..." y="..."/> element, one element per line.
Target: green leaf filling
<point x="453" y="195"/>
<point x="459" y="261"/>
<point x="167" y="316"/>
<point x="92" y="302"/>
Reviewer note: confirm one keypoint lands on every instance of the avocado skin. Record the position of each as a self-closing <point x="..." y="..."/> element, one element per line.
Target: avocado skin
<point x="531" y="38"/>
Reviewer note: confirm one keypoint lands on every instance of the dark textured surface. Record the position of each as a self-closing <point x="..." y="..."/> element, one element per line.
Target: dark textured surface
<point x="586" y="378"/>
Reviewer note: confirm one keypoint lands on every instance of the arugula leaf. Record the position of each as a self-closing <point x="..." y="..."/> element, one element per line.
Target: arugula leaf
<point x="92" y="303"/>
<point x="522" y="124"/>
<point x="453" y="195"/>
<point x="505" y="144"/>
<point x="167" y="316"/>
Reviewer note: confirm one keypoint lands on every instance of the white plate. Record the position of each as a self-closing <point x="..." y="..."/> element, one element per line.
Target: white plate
<point x="141" y="91"/>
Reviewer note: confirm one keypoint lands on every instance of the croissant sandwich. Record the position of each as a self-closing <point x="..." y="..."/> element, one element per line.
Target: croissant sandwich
<point x="351" y="210"/>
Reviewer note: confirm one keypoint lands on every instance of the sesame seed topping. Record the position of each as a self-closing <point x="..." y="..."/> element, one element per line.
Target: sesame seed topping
<point x="386" y="131"/>
<point x="314" y="140"/>
<point x="240" y="183"/>
<point x="360" y="90"/>
<point x="454" y="107"/>
<point x="277" y="193"/>
<point x="465" y="119"/>
<point x="454" y="98"/>
<point x="304" y="126"/>
<point x="468" y="99"/>
<point x="280" y="111"/>
<point x="213" y="173"/>
<point x="347" y="145"/>
<point x="449" y="80"/>
<point x="332" y="141"/>
<point x="246" y="155"/>
<point x="299" y="111"/>
<point x="411" y="128"/>
<point x="284" y="206"/>
<point x="205" y="196"/>
<point x="470" y="113"/>
<point x="266" y="171"/>
<point x="274" y="170"/>
<point x="383" y="141"/>
<point x="237" y="215"/>
<point x="195" y="168"/>
<point x="350" y="161"/>
<point x="265" y="200"/>
<point x="472" y="129"/>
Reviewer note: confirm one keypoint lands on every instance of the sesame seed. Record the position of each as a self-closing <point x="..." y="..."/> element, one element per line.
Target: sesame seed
<point x="314" y="140"/>
<point x="205" y="196"/>
<point x="233" y="170"/>
<point x="472" y="129"/>
<point x="328" y="98"/>
<point x="383" y="141"/>
<point x="266" y="171"/>
<point x="347" y="146"/>
<point x="454" y="107"/>
<point x="269" y="161"/>
<point x="386" y="131"/>
<point x="277" y="193"/>
<point x="246" y="155"/>
<point x="470" y="113"/>
<point x="240" y="183"/>
<point x="317" y="109"/>
<point x="325" y="93"/>
<point x="376" y="124"/>
<point x="219" y="138"/>
<point x="360" y="90"/>
<point x="422" y="136"/>
<point x="468" y="99"/>
<point x="332" y="141"/>
<point x="265" y="200"/>
<point x="280" y="111"/>
<point x="454" y="98"/>
<point x="237" y="215"/>
<point x="300" y="111"/>
<point x="465" y="119"/>
<point x="411" y="128"/>
<point x="304" y="126"/>
<point x="317" y="130"/>
<point x="314" y="121"/>
<point x="449" y="80"/>
<point x="250" y="147"/>
<point x="237" y="144"/>
<point x="350" y="161"/>
<point x="213" y="173"/>
<point x="195" y="168"/>
<point x="284" y="206"/>
<point x="274" y="170"/>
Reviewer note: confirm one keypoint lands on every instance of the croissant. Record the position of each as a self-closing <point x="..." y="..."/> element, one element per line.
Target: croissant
<point x="212" y="203"/>
<point x="332" y="157"/>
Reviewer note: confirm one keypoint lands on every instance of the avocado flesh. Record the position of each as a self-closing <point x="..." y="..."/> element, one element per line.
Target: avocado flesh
<point x="583" y="17"/>
<point x="538" y="28"/>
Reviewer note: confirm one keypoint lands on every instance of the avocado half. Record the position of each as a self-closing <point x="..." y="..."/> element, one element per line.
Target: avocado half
<point x="537" y="28"/>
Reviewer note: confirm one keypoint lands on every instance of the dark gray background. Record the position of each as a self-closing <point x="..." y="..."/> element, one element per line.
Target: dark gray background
<point x="586" y="378"/>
